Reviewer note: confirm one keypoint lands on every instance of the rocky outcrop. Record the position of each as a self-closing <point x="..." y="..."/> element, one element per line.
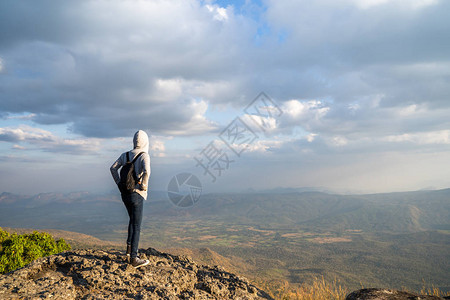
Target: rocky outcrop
<point x="383" y="294"/>
<point x="97" y="274"/>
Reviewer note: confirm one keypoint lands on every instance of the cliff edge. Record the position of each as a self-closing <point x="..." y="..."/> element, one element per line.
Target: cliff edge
<point x="98" y="274"/>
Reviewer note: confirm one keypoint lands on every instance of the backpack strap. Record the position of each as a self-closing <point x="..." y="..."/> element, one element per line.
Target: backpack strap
<point x="128" y="157"/>
<point x="135" y="157"/>
<point x="132" y="163"/>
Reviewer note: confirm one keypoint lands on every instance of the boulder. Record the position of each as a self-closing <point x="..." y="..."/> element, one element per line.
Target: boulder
<point x="384" y="294"/>
<point x="98" y="274"/>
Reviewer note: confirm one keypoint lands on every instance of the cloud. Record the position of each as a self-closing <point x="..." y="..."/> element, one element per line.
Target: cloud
<point x="25" y="133"/>
<point x="46" y="141"/>
<point x="157" y="147"/>
<point x="220" y="13"/>
<point x="20" y="117"/>
<point x="157" y="144"/>
<point x="108" y="68"/>
<point x="422" y="138"/>
<point x="120" y="66"/>
<point x="25" y="137"/>
<point x="349" y="53"/>
<point x="352" y="77"/>
<point x="259" y="146"/>
<point x="264" y="146"/>
<point x="304" y="113"/>
<point x="413" y="4"/>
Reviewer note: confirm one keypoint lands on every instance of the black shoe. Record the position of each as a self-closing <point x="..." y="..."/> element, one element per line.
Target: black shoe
<point x="136" y="262"/>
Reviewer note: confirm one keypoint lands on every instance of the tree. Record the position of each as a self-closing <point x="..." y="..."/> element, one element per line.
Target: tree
<point x="17" y="251"/>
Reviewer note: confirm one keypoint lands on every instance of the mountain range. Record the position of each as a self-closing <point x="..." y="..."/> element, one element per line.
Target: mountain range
<point x="390" y="240"/>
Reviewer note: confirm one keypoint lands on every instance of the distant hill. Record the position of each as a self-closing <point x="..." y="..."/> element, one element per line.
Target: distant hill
<point x="392" y="212"/>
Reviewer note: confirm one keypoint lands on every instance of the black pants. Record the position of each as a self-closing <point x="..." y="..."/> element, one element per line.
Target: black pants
<point x="135" y="205"/>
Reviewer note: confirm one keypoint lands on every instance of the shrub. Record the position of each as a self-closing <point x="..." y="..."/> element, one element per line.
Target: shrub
<point x="17" y="251"/>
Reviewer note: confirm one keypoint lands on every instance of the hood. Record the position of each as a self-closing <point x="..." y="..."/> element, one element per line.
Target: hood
<point x="140" y="141"/>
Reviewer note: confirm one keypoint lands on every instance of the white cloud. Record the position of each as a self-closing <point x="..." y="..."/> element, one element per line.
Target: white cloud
<point x="21" y="117"/>
<point x="414" y="4"/>
<point x="422" y="138"/>
<point x="25" y="133"/>
<point x="353" y="107"/>
<point x="268" y="123"/>
<point x="197" y="123"/>
<point x="220" y="13"/>
<point x="174" y="89"/>
<point x="310" y="137"/>
<point x="168" y="89"/>
<point x="265" y="146"/>
<point x="305" y="109"/>
<point x="417" y="4"/>
<point x="308" y="115"/>
<point x="258" y="146"/>
<point x="47" y="141"/>
<point x="157" y="145"/>
<point x="365" y="4"/>
<point x="339" y="141"/>
<point x="409" y="110"/>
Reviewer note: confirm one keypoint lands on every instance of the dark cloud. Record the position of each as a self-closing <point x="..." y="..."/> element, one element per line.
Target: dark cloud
<point x="97" y="66"/>
<point x="107" y="68"/>
<point x="354" y="53"/>
<point x="25" y="21"/>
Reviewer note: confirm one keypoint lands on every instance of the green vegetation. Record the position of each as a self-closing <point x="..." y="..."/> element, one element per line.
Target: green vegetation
<point x="18" y="250"/>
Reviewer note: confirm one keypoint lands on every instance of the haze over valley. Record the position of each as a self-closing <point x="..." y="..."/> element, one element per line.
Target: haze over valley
<point x="392" y="240"/>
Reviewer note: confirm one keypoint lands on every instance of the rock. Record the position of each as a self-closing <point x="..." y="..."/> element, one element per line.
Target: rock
<point x="384" y="294"/>
<point x="96" y="274"/>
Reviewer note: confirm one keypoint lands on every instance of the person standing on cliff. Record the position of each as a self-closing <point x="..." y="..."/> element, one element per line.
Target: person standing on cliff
<point x="134" y="198"/>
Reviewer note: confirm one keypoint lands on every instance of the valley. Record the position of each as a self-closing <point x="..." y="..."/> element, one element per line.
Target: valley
<point x="386" y="240"/>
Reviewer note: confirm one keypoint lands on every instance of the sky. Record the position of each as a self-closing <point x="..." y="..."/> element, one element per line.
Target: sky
<point x="348" y="95"/>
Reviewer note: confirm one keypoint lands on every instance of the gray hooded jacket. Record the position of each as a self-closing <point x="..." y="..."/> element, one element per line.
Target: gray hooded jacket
<point x="141" y="165"/>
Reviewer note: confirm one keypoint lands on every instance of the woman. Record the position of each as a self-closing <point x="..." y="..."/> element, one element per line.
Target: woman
<point x="134" y="198"/>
